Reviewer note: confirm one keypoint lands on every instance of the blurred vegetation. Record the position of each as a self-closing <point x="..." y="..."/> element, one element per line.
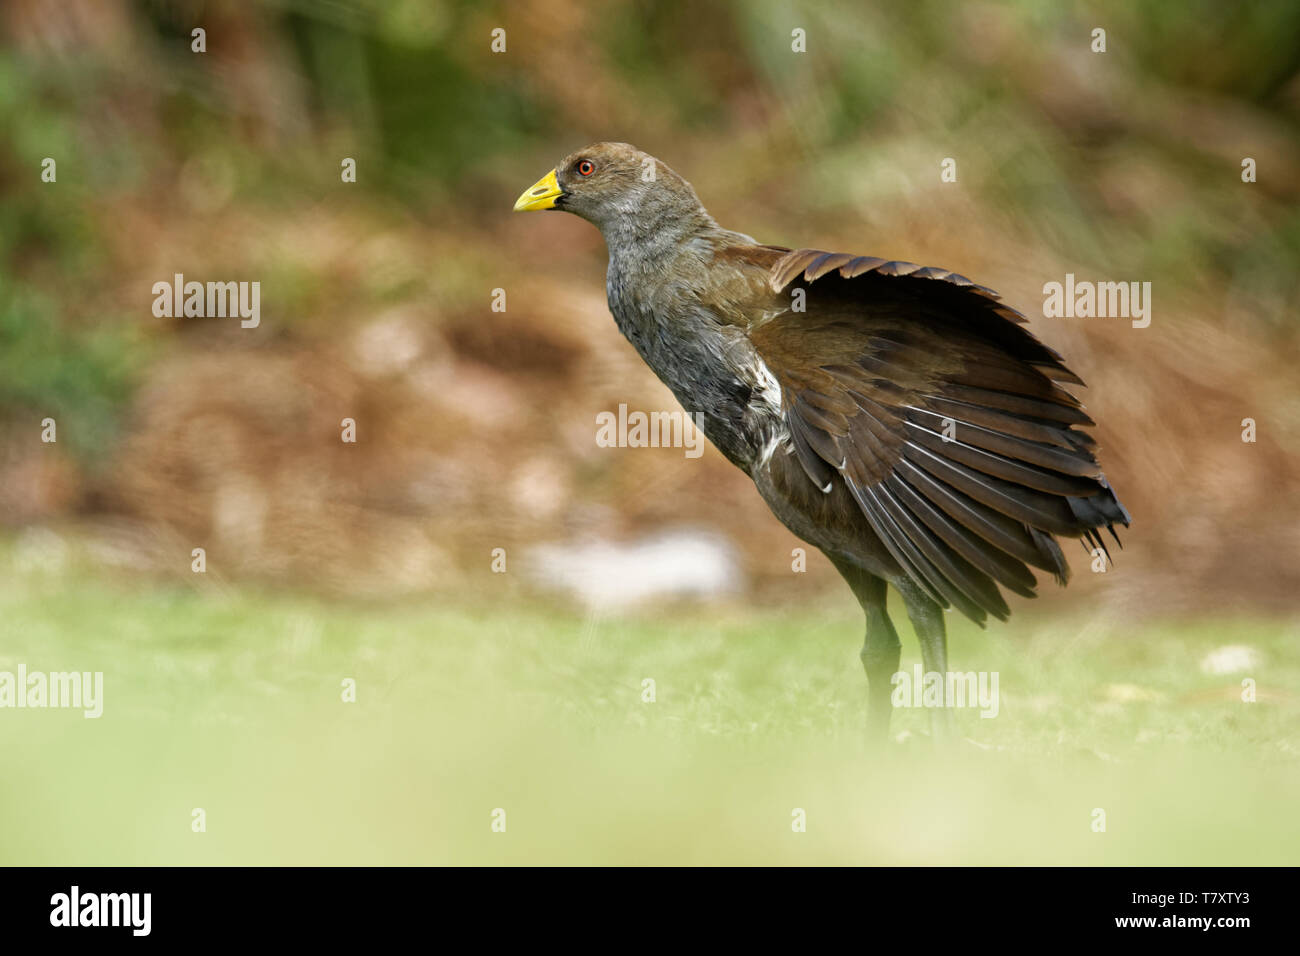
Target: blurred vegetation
<point x="226" y="163"/>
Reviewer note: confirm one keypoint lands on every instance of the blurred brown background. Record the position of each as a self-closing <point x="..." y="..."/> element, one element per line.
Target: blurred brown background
<point x="476" y="429"/>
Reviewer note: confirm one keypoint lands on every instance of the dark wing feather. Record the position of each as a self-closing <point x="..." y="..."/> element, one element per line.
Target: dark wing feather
<point x="944" y="417"/>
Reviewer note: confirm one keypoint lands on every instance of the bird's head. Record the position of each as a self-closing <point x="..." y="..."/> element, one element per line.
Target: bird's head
<point x="613" y="185"/>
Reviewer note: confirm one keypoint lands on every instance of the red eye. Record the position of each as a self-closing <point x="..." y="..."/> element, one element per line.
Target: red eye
<point x="585" y="167"/>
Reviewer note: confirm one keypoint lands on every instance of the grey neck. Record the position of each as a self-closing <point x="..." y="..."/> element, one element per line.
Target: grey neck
<point x="655" y="235"/>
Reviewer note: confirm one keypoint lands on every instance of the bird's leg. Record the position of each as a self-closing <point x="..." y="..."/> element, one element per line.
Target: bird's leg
<point x="880" y="660"/>
<point x="932" y="634"/>
<point x="880" y="649"/>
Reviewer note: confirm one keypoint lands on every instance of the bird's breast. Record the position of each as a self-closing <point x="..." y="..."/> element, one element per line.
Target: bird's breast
<point x="712" y="369"/>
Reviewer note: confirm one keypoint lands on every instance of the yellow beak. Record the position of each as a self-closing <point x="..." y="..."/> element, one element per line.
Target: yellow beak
<point x="541" y="195"/>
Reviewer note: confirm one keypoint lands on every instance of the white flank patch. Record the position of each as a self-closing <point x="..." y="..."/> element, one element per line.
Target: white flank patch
<point x="768" y="392"/>
<point x="768" y="387"/>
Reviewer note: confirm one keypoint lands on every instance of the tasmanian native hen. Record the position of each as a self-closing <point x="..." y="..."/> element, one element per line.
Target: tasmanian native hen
<point x="899" y="418"/>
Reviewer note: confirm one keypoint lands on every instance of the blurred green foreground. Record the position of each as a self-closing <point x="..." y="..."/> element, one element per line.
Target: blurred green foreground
<point x="231" y="702"/>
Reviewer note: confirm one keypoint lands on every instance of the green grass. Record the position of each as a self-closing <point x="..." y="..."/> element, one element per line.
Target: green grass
<point x="230" y="700"/>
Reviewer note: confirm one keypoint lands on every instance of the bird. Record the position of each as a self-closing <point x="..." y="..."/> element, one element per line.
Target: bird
<point x="899" y="418"/>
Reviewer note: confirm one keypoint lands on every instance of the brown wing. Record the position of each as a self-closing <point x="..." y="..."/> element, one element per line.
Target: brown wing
<point x="944" y="417"/>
